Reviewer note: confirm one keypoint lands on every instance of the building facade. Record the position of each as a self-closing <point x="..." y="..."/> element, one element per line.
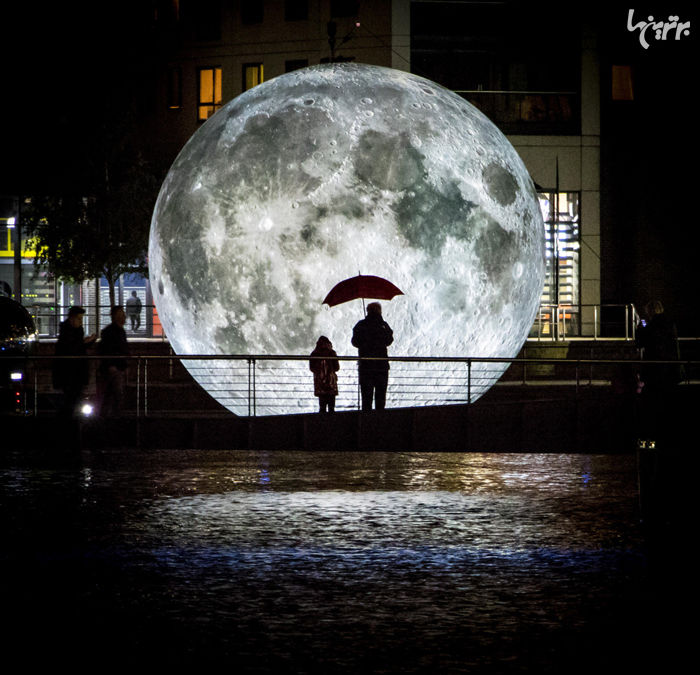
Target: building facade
<point x="537" y="79"/>
<point x="535" y="76"/>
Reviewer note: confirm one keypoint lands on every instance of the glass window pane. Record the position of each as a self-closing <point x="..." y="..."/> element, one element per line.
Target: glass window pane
<point x="622" y="89"/>
<point x="205" y="112"/>
<point x="252" y="11"/>
<point x="296" y="10"/>
<point x="252" y="75"/>
<point x="206" y="86"/>
<point x="560" y="213"/>
<point x="217" y="86"/>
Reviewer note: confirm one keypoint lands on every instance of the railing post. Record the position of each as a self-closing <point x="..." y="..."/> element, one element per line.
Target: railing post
<point x="251" y="387"/>
<point x="138" y="386"/>
<point x="469" y="380"/>
<point x="145" y="388"/>
<point x="561" y="322"/>
<point x="627" y="322"/>
<point x="595" y="322"/>
<point x="554" y="330"/>
<point x="36" y="390"/>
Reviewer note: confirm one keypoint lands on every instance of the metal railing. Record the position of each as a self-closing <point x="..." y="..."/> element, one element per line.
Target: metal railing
<point x="251" y="385"/>
<point x="604" y="321"/>
<point x="552" y="323"/>
<point x="48" y="318"/>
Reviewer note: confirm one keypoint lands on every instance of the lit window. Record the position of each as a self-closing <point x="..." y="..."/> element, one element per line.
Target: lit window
<point x="253" y="75"/>
<point x="622" y="83"/>
<point x="562" y="243"/>
<point x="560" y="213"/>
<point x="209" y="93"/>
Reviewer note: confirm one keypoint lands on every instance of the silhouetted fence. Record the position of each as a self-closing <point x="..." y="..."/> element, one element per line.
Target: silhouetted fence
<point x="251" y="385"/>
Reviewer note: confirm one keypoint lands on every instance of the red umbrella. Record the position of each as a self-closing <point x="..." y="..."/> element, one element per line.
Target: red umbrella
<point x="361" y="286"/>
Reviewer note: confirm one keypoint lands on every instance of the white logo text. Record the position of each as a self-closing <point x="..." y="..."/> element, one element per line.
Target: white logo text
<point x="673" y="29"/>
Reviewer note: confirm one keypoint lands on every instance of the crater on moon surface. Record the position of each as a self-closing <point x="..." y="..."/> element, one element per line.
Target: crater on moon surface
<point x="315" y="175"/>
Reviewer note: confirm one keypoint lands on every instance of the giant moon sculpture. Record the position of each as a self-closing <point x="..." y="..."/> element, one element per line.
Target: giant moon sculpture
<point x="325" y="172"/>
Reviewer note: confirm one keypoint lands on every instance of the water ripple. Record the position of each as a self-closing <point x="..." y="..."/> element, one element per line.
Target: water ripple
<point x="343" y="563"/>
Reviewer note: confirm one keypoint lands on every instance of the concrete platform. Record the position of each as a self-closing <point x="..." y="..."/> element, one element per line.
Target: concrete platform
<point x="559" y="419"/>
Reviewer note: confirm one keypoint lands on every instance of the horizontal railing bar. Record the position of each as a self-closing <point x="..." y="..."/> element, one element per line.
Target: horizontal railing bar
<point x="550" y="324"/>
<point x="299" y="357"/>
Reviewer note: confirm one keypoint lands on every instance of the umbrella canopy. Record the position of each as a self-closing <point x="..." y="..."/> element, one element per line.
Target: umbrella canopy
<point x="361" y="286"/>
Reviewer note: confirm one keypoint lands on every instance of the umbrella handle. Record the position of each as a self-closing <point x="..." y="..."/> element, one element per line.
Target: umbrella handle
<point x="364" y="311"/>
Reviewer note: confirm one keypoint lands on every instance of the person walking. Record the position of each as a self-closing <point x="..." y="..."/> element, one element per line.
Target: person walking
<point x="113" y="347"/>
<point x="372" y="335"/>
<point x="133" y="310"/>
<point x="325" y="377"/>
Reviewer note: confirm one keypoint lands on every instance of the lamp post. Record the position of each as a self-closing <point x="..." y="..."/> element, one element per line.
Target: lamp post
<point x="17" y="247"/>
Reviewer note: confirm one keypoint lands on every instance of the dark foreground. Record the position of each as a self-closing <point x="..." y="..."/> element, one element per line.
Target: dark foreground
<point x="294" y="562"/>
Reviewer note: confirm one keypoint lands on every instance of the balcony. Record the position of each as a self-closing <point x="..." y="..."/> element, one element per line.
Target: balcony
<point x="529" y="112"/>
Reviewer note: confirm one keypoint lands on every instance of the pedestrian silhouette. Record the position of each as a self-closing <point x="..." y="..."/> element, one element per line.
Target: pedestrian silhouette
<point x="372" y="335"/>
<point x="113" y="347"/>
<point x="325" y="377"/>
<point x="657" y="337"/>
<point x="133" y="310"/>
<point x="72" y="375"/>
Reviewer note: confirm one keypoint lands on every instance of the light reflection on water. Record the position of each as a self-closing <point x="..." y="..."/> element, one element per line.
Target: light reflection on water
<point x="348" y="562"/>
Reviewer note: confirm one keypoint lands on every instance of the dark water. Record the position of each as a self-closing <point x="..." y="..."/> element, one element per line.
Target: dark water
<point x="325" y="562"/>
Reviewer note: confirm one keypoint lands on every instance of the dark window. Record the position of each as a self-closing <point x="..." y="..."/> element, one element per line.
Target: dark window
<point x="296" y="10"/>
<point x="520" y="67"/>
<point x="295" y="64"/>
<point x="252" y="11"/>
<point x="166" y="12"/>
<point x="344" y="8"/>
<point x="174" y="94"/>
<point x="203" y="17"/>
